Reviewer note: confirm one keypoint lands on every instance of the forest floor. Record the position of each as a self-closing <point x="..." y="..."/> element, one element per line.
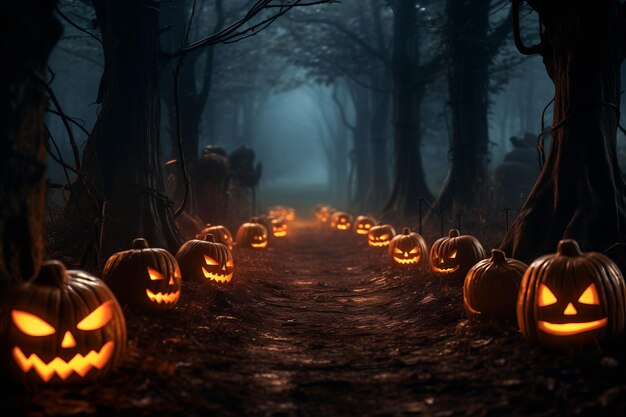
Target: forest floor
<point x="320" y="325"/>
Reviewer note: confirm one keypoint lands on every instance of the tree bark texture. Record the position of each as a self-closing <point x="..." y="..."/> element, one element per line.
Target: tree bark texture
<point x="28" y="32"/>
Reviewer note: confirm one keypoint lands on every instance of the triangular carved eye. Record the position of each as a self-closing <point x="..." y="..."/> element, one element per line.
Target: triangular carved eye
<point x="209" y="260"/>
<point x="230" y="263"/>
<point x="590" y="296"/>
<point x="97" y="318"/>
<point x="546" y="296"/>
<point x="396" y="250"/>
<point x="30" y="324"/>
<point x="453" y="254"/>
<point x="154" y="274"/>
<point x="414" y="250"/>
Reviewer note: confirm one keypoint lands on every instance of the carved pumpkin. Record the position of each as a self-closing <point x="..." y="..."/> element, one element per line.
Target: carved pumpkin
<point x="263" y="220"/>
<point x="64" y="326"/>
<point x="143" y="277"/>
<point x="206" y="261"/>
<point x="279" y="227"/>
<point x="452" y="257"/>
<point x="407" y="249"/>
<point x="341" y="220"/>
<point x="252" y="235"/>
<point x="220" y="233"/>
<point x="283" y="211"/>
<point x="491" y="287"/>
<point x="571" y="298"/>
<point x="325" y="213"/>
<point x="380" y="236"/>
<point x="363" y="224"/>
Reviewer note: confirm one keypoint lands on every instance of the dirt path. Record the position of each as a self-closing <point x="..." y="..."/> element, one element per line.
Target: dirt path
<point x="320" y="325"/>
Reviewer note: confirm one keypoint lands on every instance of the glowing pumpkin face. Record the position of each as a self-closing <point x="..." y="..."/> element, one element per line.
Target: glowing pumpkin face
<point x="65" y="326"/>
<point x="571" y="298"/>
<point x="363" y="224"/>
<point x="341" y="221"/>
<point x="143" y="277"/>
<point x="287" y="213"/>
<point x="206" y="261"/>
<point x="380" y="236"/>
<point x="279" y="227"/>
<point x="252" y="235"/>
<point x="452" y="257"/>
<point x="220" y="233"/>
<point x="407" y="249"/>
<point x="325" y="214"/>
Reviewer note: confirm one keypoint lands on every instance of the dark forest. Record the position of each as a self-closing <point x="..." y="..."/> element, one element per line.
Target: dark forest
<point x="312" y="207"/>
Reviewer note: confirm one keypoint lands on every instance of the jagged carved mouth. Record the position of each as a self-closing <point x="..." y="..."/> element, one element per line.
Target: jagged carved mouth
<point x="404" y="261"/>
<point x="445" y="270"/>
<point x="568" y="329"/>
<point x="259" y="245"/>
<point x="379" y="243"/>
<point x="79" y="364"/>
<point x="167" y="298"/>
<point x="217" y="277"/>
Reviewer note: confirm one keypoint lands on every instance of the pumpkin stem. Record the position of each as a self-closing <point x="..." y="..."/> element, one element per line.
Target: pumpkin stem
<point x="568" y="247"/>
<point x="209" y="238"/>
<point x="406" y="231"/>
<point x="52" y="273"/>
<point x="454" y="233"/>
<point x="497" y="256"/>
<point x="140" y="243"/>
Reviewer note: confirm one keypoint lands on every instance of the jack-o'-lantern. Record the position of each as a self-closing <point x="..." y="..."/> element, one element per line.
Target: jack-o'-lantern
<point x="220" y="233"/>
<point x="452" y="257"/>
<point x="380" y="236"/>
<point x="264" y="220"/>
<point x="491" y="287"/>
<point x="62" y="327"/>
<point x="571" y="298"/>
<point x="363" y="224"/>
<point x="206" y="261"/>
<point x="287" y="213"/>
<point x="279" y="227"/>
<point x="325" y="214"/>
<point x="143" y="277"/>
<point x="407" y="249"/>
<point x="341" y="220"/>
<point x="252" y="235"/>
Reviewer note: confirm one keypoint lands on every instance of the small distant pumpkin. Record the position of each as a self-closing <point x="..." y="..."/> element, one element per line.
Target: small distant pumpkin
<point x="571" y="298"/>
<point x="340" y="220"/>
<point x="220" y="233"/>
<point x="283" y="211"/>
<point x="279" y="227"/>
<point x="62" y="327"/>
<point x="363" y="224"/>
<point x="407" y="249"/>
<point x="206" y="261"/>
<point x="325" y="213"/>
<point x="491" y="287"/>
<point x="252" y="235"/>
<point x="452" y="257"/>
<point x="380" y="236"/>
<point x="144" y="277"/>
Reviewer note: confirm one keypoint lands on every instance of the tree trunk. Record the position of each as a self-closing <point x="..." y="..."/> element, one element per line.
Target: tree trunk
<point x="468" y="86"/>
<point x="379" y="184"/>
<point x="409" y="184"/>
<point x="28" y="32"/>
<point x="580" y="191"/>
<point x="360" y="149"/>
<point x="122" y="155"/>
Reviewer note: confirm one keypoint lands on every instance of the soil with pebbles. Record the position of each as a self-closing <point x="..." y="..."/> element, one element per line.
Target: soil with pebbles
<point x="318" y="324"/>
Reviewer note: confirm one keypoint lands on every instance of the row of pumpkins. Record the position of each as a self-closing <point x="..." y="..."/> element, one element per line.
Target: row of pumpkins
<point x="67" y="326"/>
<point x="560" y="300"/>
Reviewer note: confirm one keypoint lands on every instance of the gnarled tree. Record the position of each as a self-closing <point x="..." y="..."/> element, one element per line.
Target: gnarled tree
<point x="580" y="193"/>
